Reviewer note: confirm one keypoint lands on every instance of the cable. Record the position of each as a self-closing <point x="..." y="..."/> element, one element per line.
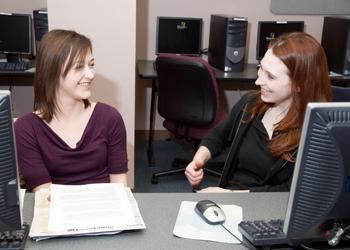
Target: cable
<point x="346" y="228"/>
<point x="307" y="248"/>
<point x="336" y="233"/>
<point x="246" y="244"/>
<point x="11" y="83"/>
<point x="336" y="237"/>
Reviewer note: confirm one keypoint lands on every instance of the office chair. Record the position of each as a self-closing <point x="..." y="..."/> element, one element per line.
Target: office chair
<point x="188" y="100"/>
<point x="341" y="94"/>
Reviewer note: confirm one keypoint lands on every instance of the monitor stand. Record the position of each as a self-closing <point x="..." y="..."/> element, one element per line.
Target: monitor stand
<point x="13" y="58"/>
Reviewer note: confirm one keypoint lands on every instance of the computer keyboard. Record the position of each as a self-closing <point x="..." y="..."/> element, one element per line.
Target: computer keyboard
<point x="15" y="66"/>
<point x="14" y="240"/>
<point x="263" y="232"/>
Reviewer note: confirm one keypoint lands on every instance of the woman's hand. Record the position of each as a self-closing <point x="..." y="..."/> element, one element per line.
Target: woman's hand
<point x="220" y="190"/>
<point x="214" y="190"/>
<point x="44" y="186"/>
<point x="118" y="178"/>
<point x="194" y="172"/>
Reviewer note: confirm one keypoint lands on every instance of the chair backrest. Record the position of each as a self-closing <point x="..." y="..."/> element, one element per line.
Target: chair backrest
<point x="341" y="94"/>
<point x="187" y="90"/>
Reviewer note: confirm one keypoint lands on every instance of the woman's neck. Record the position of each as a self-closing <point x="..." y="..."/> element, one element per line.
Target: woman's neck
<point x="283" y="107"/>
<point x="272" y="117"/>
<point x="69" y="109"/>
<point x="279" y="112"/>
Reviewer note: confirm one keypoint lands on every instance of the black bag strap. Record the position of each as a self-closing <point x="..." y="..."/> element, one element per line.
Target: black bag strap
<point x="232" y="154"/>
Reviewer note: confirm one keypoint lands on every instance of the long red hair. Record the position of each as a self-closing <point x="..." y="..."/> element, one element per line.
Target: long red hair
<point x="308" y="72"/>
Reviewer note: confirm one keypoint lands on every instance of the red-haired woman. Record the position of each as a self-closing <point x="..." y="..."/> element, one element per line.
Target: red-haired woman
<point x="263" y="129"/>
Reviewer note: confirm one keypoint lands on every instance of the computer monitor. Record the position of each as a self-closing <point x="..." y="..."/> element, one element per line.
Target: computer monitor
<point x="320" y="189"/>
<point x="15" y="35"/>
<point x="179" y="35"/>
<point x="269" y="30"/>
<point x="10" y="212"/>
<point x="41" y="25"/>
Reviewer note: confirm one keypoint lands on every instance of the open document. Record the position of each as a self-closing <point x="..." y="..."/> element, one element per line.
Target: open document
<point x="93" y="209"/>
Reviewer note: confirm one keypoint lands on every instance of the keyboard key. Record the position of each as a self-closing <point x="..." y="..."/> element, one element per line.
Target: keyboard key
<point x="14" y="240"/>
<point x="16" y="244"/>
<point x="3" y="244"/>
<point x="17" y="66"/>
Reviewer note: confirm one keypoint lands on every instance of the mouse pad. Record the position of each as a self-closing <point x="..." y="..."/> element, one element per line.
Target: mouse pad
<point x="190" y="225"/>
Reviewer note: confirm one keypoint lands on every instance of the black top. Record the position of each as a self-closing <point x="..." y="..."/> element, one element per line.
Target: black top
<point x="252" y="166"/>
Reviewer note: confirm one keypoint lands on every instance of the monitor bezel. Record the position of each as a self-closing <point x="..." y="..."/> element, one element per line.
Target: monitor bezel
<point x="197" y="53"/>
<point x="12" y="188"/>
<point x="29" y="35"/>
<point x="311" y="107"/>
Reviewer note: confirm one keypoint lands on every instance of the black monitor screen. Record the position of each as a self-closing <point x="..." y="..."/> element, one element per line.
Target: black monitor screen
<point x="15" y="33"/>
<point x="269" y="30"/>
<point x="178" y="35"/>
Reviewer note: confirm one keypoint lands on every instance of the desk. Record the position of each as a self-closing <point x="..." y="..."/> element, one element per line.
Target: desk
<point x="16" y="78"/>
<point x="146" y="70"/>
<point x="159" y="211"/>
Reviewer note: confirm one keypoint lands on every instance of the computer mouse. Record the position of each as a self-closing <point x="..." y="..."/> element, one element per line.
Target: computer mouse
<point x="210" y="212"/>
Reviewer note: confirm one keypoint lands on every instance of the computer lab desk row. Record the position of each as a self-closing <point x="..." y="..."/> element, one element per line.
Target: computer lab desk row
<point x="244" y="80"/>
<point x="159" y="211"/>
<point x="16" y="78"/>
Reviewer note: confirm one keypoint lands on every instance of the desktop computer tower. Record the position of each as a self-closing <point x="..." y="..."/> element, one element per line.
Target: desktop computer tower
<point x="40" y="25"/>
<point x="227" y="42"/>
<point x="336" y="43"/>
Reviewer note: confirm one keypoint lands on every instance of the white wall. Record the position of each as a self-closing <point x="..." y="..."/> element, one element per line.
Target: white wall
<point x="255" y="10"/>
<point x="111" y="25"/>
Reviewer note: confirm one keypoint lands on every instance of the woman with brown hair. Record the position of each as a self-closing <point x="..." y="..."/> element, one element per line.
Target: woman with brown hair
<point x="263" y="129"/>
<point x="68" y="139"/>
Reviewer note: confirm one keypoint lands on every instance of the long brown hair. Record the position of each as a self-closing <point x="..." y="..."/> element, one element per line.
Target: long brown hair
<point x="308" y="71"/>
<point x="57" y="53"/>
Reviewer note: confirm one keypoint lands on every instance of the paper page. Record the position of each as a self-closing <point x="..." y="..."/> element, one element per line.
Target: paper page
<point x="191" y="226"/>
<point x="40" y="225"/>
<point x="139" y="223"/>
<point x="89" y="207"/>
<point x="39" y="228"/>
<point x="22" y="193"/>
<point x="41" y="213"/>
